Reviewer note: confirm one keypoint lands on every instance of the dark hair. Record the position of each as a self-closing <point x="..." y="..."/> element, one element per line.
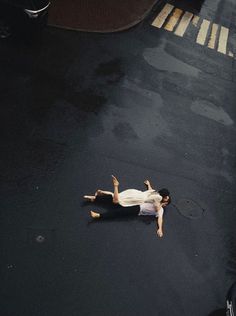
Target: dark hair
<point x="164" y="192"/>
<point x="169" y="201"/>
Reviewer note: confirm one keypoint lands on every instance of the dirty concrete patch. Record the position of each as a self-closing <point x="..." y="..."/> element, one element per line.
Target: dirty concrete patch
<point x="124" y="131"/>
<point x="111" y="70"/>
<point x="161" y="60"/>
<point x="87" y="100"/>
<point x="212" y="112"/>
<point x="189" y="209"/>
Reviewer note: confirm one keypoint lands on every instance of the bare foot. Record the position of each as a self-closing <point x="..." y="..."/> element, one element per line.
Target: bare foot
<point x="99" y="192"/>
<point x="90" y="198"/>
<point x="94" y="214"/>
<point x="115" y="181"/>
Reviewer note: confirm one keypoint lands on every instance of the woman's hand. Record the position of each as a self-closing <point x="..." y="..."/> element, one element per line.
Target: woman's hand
<point x="159" y="233"/>
<point x="148" y="184"/>
<point x="115" y="181"/>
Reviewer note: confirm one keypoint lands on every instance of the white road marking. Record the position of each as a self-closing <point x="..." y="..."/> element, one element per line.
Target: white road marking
<point x="184" y="21"/>
<point x="212" y="41"/>
<point x="183" y="24"/>
<point x="160" y="19"/>
<point x="224" y="32"/>
<point x="173" y="20"/>
<point x="195" y="20"/>
<point x="201" y="38"/>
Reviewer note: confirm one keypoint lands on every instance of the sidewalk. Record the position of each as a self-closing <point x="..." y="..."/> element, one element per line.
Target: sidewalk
<point x="99" y="16"/>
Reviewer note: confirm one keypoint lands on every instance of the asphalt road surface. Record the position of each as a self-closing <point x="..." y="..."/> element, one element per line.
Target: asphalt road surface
<point x="141" y="104"/>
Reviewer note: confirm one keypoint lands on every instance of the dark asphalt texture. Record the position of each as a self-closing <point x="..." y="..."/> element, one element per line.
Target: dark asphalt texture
<point x="76" y="108"/>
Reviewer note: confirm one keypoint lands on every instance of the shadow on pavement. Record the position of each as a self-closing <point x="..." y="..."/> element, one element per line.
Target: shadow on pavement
<point x="218" y="312"/>
<point x="192" y="6"/>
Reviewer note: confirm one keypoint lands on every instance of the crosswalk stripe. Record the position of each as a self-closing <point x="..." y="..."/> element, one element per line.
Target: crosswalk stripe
<point x="160" y="19"/>
<point x="212" y="41"/>
<point x="173" y="20"/>
<point x="183" y="24"/>
<point x="201" y="38"/>
<point x="195" y="20"/>
<point x="224" y="32"/>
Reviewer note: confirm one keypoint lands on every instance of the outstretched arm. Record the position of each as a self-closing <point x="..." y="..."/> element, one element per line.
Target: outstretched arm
<point x="160" y="210"/>
<point x="116" y="190"/>
<point x="159" y="226"/>
<point x="148" y="184"/>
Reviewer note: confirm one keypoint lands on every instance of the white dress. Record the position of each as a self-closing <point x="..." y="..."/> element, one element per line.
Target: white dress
<point x="133" y="197"/>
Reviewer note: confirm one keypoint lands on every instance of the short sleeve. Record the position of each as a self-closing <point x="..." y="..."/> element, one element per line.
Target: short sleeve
<point x="157" y="201"/>
<point x="160" y="212"/>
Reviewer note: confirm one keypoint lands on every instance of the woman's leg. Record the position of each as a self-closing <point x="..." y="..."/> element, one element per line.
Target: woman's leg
<point x="101" y="192"/>
<point x="92" y="198"/>
<point x="95" y="215"/>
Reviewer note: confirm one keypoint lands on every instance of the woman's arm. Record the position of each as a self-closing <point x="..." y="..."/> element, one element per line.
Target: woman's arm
<point x="148" y="184"/>
<point x="159" y="226"/>
<point x="116" y="190"/>
<point x="160" y="211"/>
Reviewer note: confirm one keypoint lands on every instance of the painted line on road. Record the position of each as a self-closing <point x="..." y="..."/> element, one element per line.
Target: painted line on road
<point x="212" y="41"/>
<point x="173" y="20"/>
<point x="202" y="34"/>
<point x="177" y="21"/>
<point x="195" y="20"/>
<point x="183" y="24"/>
<point x="160" y="19"/>
<point x="222" y="45"/>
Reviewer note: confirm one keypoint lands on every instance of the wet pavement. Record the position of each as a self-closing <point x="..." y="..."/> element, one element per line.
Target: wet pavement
<point x="76" y="108"/>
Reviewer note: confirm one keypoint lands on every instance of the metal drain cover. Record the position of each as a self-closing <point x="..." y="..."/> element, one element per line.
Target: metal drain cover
<point x="41" y="238"/>
<point x="189" y="208"/>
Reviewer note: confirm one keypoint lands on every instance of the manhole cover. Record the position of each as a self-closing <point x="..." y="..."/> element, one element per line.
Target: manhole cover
<point x="189" y="208"/>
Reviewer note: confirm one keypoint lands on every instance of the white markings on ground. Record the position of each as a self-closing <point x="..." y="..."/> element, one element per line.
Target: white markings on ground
<point x="160" y="19"/>
<point x="195" y="20"/>
<point x="201" y="37"/>
<point x="177" y="22"/>
<point x="183" y="24"/>
<point x="167" y="62"/>
<point x="173" y="20"/>
<point x="224" y="33"/>
<point x="212" y="112"/>
<point x="212" y="41"/>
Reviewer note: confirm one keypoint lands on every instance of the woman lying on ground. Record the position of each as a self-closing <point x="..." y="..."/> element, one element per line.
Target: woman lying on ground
<point x="152" y="204"/>
<point x="132" y="197"/>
